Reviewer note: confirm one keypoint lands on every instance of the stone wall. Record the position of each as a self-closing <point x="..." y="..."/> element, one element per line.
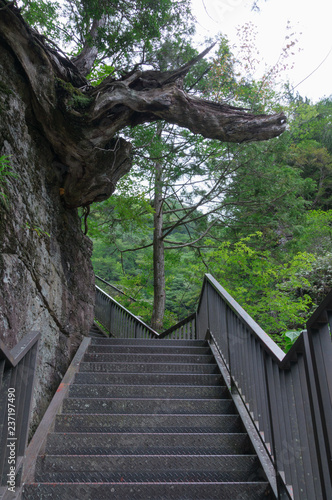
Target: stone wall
<point x="46" y="277"/>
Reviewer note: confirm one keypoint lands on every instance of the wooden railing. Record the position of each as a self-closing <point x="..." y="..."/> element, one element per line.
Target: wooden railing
<point x="119" y="322"/>
<point x="17" y="371"/>
<point x="287" y="396"/>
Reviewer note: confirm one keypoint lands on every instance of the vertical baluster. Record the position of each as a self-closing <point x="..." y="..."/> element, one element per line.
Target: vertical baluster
<point x="21" y="396"/>
<point x="319" y="360"/>
<point x="6" y="384"/>
<point x="243" y="362"/>
<point x="277" y="416"/>
<point x="264" y="421"/>
<point x="306" y="452"/>
<point x="288" y="442"/>
<point x="254" y="376"/>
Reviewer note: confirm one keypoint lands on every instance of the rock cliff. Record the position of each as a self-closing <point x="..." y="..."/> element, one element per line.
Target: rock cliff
<point x="46" y="277"/>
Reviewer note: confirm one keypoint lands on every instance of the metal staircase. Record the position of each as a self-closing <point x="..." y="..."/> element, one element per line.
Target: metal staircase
<point x="210" y="409"/>
<point x="148" y="419"/>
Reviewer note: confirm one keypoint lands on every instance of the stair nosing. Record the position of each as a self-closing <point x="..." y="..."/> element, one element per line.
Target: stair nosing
<point x="147" y="385"/>
<point x="141" y="455"/>
<point x="163" y="415"/>
<point x="203" y="434"/>
<point x="153" y="364"/>
<point x="149" y="399"/>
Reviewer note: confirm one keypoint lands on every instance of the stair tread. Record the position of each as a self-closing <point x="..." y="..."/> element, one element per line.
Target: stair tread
<point x="148" y="349"/>
<point x="143" y="356"/>
<point x="157" y="341"/>
<point x="147" y="406"/>
<point x="193" y="490"/>
<point x="177" y="392"/>
<point x="148" y="378"/>
<point x="148" y="443"/>
<point x="157" y="368"/>
<point x="148" y="419"/>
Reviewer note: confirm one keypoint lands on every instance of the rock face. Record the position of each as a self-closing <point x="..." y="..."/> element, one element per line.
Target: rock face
<point x="46" y="277"/>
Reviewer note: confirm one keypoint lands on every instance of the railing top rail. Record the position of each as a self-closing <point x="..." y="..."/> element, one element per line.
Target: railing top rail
<point x="114" y="288"/>
<point x="153" y="332"/>
<point x="14" y="356"/>
<point x="178" y="325"/>
<point x="319" y="317"/>
<point x="266" y="341"/>
<point x="128" y="312"/>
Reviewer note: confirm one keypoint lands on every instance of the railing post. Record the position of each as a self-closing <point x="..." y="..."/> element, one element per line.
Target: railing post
<point x="271" y="411"/>
<point x="321" y="405"/>
<point x="16" y="389"/>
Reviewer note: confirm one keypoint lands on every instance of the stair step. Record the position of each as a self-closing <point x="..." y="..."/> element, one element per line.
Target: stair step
<point x="150" y="342"/>
<point x="148" y="423"/>
<point x="145" y="443"/>
<point x="96" y="332"/>
<point x="148" y="378"/>
<point x="148" y="419"/>
<point x="149" y="491"/>
<point x="148" y="349"/>
<point x="153" y="406"/>
<point x="149" y="358"/>
<point x="148" y="367"/>
<point x="148" y="391"/>
<point x="161" y="468"/>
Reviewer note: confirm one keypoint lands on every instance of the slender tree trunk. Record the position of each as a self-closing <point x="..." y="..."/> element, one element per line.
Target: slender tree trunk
<point x="159" y="285"/>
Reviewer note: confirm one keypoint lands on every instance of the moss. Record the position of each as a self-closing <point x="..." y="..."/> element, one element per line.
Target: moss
<point x="67" y="87"/>
<point x="80" y="101"/>
<point x="75" y="97"/>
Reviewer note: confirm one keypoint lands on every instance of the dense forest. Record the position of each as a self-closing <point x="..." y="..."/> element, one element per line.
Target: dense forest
<point x="258" y="216"/>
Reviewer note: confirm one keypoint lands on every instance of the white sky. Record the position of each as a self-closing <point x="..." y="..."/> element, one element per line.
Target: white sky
<point x="312" y="19"/>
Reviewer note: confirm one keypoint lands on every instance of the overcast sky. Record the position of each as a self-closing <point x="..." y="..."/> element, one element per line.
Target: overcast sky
<point x="311" y="18"/>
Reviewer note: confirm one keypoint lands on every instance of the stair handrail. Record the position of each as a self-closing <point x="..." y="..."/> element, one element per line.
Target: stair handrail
<point x="120" y="322"/>
<point x="17" y="373"/>
<point x="115" y="288"/>
<point x="288" y="397"/>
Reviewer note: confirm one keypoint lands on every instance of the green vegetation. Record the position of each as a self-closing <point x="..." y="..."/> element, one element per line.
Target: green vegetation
<point x="257" y="216"/>
<point x="5" y="174"/>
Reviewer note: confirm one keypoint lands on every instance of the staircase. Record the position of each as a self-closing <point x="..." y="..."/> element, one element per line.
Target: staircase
<point x="148" y="419"/>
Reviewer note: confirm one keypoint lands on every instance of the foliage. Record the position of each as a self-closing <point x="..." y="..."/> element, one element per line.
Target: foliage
<point x="272" y="292"/>
<point x="274" y="188"/>
<point x="215" y="198"/>
<point x="40" y="232"/>
<point x="289" y="338"/>
<point x="129" y="32"/>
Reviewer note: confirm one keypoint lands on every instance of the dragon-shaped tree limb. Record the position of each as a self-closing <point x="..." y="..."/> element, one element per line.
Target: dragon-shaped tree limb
<point x="82" y="123"/>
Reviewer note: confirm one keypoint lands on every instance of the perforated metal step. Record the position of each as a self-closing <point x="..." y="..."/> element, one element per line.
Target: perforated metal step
<point x="149" y="491"/>
<point x="148" y="419"/>
<point x="153" y="443"/>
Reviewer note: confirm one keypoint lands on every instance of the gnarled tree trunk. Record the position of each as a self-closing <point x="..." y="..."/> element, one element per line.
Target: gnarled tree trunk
<point x="82" y="123"/>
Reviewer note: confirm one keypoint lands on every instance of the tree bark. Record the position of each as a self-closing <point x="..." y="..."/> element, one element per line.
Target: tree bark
<point x="159" y="283"/>
<point x="82" y="123"/>
<point x="85" y="60"/>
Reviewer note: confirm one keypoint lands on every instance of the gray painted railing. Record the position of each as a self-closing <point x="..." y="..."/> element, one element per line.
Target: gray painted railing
<point x="287" y="396"/>
<point x="17" y="371"/>
<point x="120" y="322"/>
